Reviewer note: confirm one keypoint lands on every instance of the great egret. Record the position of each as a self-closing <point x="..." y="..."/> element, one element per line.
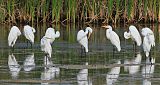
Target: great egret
<point x="113" y="75"/>
<point x="51" y="34"/>
<point x="46" y="46"/>
<point x="14" y="67"/>
<point x="82" y="77"/>
<point x="29" y="33"/>
<point x="113" y="37"/>
<point x="133" y="69"/>
<point x="29" y="63"/>
<point x="13" y="35"/>
<point x="134" y="35"/>
<point x="82" y="37"/>
<point x="148" y="40"/>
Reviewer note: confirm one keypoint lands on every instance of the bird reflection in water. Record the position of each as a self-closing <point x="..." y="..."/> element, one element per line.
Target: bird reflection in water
<point x="50" y="72"/>
<point x="13" y="65"/>
<point x="29" y="63"/>
<point x="148" y="70"/>
<point x="113" y="74"/>
<point x="133" y="69"/>
<point x="82" y="77"/>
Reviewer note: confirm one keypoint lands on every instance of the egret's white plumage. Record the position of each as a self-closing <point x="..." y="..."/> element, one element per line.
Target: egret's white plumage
<point x="29" y="33"/>
<point x="113" y="37"/>
<point x="134" y="35"/>
<point x="29" y="63"/>
<point x="46" y="46"/>
<point x="113" y="75"/>
<point x="148" y="40"/>
<point x="82" y="37"/>
<point x="50" y="33"/>
<point x="134" y="68"/>
<point x="14" y="67"/>
<point x="13" y="35"/>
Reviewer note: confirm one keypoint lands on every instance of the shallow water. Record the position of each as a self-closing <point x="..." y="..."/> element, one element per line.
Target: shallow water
<point x="101" y="66"/>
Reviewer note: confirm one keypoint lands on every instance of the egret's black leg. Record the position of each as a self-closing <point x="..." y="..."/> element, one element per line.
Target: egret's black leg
<point x="84" y="51"/>
<point x="81" y="50"/>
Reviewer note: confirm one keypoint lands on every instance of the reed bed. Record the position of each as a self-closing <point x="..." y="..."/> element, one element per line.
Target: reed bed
<point x="78" y="11"/>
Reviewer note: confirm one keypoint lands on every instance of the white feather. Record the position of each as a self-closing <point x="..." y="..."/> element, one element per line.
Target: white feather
<point x="29" y="33"/>
<point x="134" y="35"/>
<point x="82" y="37"/>
<point x="13" y="35"/>
<point x="114" y="38"/>
<point x="50" y="33"/>
<point x="46" y="46"/>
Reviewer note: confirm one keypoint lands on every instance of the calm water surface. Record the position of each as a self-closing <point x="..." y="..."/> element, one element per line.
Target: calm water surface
<point x="101" y="66"/>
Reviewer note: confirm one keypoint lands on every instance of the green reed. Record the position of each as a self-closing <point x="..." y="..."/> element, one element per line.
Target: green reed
<point x="78" y="11"/>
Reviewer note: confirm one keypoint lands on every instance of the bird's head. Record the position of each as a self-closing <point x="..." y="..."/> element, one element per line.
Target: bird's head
<point x="89" y="31"/>
<point x="108" y="27"/>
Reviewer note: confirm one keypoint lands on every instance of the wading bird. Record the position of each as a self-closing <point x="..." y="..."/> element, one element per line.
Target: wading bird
<point x="13" y="35"/>
<point x="51" y="34"/>
<point x="113" y="37"/>
<point x="148" y="40"/>
<point x="46" y="46"/>
<point x="82" y="37"/>
<point x="29" y="33"/>
<point x="134" y="35"/>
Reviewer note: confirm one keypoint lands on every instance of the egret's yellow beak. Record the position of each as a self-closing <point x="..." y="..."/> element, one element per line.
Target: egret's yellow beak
<point x="89" y="34"/>
<point x="105" y="26"/>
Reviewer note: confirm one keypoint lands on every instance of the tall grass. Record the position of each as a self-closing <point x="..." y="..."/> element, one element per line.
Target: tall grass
<point x="77" y="11"/>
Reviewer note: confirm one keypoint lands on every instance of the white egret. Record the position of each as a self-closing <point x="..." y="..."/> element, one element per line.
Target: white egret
<point x="14" y="67"/>
<point x="29" y="63"/>
<point x="29" y="33"/>
<point x="113" y="37"/>
<point x="82" y="77"/>
<point x="134" y="35"/>
<point x="46" y="46"/>
<point x="13" y="35"/>
<point x="51" y="34"/>
<point x="148" y="40"/>
<point x="133" y="68"/>
<point x="82" y="37"/>
<point x="113" y="75"/>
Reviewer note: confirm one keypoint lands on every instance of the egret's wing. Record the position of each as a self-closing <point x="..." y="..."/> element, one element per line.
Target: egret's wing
<point x="29" y="33"/>
<point x="115" y="40"/>
<point x="136" y="36"/>
<point x="82" y="39"/>
<point x="146" y="46"/>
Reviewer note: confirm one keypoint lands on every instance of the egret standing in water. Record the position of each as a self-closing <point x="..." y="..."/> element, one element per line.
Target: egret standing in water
<point x="29" y="33"/>
<point x="134" y="35"/>
<point x="46" y="46"/>
<point x="82" y="37"/>
<point x="148" y="40"/>
<point x="13" y="35"/>
<point x="113" y="37"/>
<point x="48" y="39"/>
